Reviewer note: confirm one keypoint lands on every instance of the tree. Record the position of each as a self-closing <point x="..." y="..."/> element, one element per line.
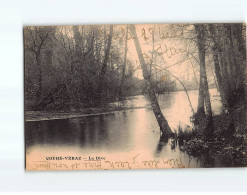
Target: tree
<point x="229" y="56"/>
<point x="103" y="70"/>
<point x="163" y="124"/>
<point x="201" y="42"/>
<point x="38" y="36"/>
<point x="216" y="51"/>
<point x="124" y="65"/>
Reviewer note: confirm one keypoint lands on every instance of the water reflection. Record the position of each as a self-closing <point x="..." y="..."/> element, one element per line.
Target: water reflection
<point x="132" y="130"/>
<point x="94" y="132"/>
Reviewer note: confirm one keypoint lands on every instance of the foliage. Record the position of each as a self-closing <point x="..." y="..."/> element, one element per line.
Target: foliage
<point x="222" y="142"/>
<point x="62" y="67"/>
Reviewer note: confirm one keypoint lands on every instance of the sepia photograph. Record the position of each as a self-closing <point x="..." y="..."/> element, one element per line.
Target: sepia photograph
<point x="135" y="96"/>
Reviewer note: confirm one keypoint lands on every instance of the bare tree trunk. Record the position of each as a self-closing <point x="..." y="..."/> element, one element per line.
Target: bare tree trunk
<point x="163" y="124"/>
<point x="239" y="55"/>
<point x="99" y="99"/>
<point x="124" y="66"/>
<point x="215" y="50"/>
<point x="237" y="50"/>
<point x="233" y="65"/>
<point x="200" y="31"/>
<point x="241" y="42"/>
<point x="201" y="97"/>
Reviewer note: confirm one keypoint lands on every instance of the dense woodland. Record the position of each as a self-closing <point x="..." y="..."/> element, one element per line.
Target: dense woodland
<point x="76" y="67"/>
<point x="70" y="67"/>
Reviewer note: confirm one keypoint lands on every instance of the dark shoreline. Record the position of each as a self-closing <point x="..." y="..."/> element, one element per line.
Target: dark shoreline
<point x="55" y="115"/>
<point x="225" y="142"/>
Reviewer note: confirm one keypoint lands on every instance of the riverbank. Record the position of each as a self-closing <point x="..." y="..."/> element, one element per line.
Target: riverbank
<point x="167" y="103"/>
<point x="223" y="143"/>
<point x="55" y="115"/>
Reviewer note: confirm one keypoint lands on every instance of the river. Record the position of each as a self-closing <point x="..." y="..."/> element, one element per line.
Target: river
<point x="114" y="135"/>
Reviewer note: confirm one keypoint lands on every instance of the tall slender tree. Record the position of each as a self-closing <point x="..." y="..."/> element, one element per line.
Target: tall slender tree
<point x="201" y="42"/>
<point x="124" y="65"/>
<point x="216" y="50"/>
<point x="102" y="80"/>
<point x="163" y="124"/>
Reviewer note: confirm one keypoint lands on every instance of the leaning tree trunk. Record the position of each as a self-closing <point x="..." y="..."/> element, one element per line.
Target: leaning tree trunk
<point x="200" y="32"/>
<point x="99" y="98"/>
<point x="163" y="124"/>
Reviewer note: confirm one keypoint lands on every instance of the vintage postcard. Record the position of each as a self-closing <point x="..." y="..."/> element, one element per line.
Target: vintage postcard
<point x="136" y="96"/>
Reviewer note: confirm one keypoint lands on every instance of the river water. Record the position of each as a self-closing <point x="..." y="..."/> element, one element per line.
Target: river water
<point x="134" y="131"/>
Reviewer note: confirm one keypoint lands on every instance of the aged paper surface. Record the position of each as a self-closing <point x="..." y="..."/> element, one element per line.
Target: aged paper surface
<point x="137" y="96"/>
